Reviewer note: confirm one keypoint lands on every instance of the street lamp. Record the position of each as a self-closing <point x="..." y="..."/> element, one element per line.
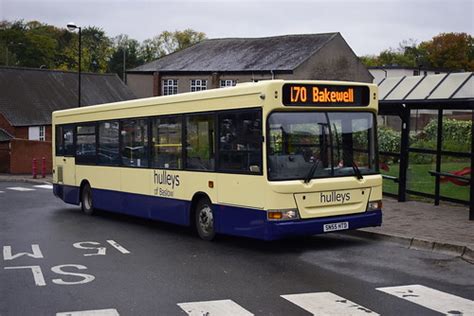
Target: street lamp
<point x="71" y="27"/>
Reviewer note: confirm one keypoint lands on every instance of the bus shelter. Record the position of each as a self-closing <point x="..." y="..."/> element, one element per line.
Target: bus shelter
<point x="426" y="137"/>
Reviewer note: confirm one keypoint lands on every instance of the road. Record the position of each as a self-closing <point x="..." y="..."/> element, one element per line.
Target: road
<point x="127" y="266"/>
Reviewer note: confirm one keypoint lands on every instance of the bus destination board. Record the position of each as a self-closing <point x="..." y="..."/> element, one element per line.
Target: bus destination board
<point x="325" y="95"/>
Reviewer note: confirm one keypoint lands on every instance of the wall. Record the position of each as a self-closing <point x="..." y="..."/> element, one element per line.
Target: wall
<point x="22" y="153"/>
<point x="334" y="61"/>
<point x="141" y="84"/>
<point x="4" y="157"/>
<point x="213" y="81"/>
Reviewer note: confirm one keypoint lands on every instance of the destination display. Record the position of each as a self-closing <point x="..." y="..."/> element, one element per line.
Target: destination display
<point x="325" y="95"/>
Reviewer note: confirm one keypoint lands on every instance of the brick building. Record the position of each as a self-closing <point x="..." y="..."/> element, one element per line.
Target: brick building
<point x="224" y="62"/>
<point x="27" y="99"/>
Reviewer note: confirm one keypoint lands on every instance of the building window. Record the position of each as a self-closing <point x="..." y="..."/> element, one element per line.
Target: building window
<point x="170" y="86"/>
<point x="37" y="133"/>
<point x="198" y="85"/>
<point x="228" y="83"/>
<point x="42" y="133"/>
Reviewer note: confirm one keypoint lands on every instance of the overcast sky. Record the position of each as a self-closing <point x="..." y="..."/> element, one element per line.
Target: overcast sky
<point x="369" y="26"/>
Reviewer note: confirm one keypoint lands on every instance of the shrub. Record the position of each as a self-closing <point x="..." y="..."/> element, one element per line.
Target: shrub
<point x="389" y="139"/>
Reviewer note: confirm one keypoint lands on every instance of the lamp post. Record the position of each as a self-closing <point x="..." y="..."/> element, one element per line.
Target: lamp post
<point x="71" y="27"/>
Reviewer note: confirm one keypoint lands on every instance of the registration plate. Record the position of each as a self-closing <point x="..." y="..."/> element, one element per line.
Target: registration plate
<point x="335" y="226"/>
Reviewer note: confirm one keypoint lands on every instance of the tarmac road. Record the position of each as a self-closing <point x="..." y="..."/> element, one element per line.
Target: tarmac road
<point x="128" y="266"/>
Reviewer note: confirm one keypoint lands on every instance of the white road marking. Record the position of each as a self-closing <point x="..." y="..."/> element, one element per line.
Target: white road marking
<point x="327" y="303"/>
<point x="2" y="191"/>
<point x="44" y="186"/>
<point x="37" y="273"/>
<point x="97" y="312"/>
<point x="37" y="254"/>
<point x="214" y="308"/>
<point x="433" y="299"/>
<point x="20" y="189"/>
<point x="117" y="246"/>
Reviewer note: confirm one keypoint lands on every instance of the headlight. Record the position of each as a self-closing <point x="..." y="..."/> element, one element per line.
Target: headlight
<point x="374" y="205"/>
<point x="282" y="215"/>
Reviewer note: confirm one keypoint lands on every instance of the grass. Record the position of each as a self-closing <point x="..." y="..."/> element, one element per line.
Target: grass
<point x="420" y="180"/>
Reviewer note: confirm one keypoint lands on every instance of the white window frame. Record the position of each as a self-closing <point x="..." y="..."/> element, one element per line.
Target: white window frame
<point x="228" y="83"/>
<point x="42" y="133"/>
<point x="169" y="87"/>
<point x="197" y="85"/>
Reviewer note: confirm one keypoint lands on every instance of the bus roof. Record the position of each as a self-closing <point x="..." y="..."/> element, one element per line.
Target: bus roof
<point x="250" y="94"/>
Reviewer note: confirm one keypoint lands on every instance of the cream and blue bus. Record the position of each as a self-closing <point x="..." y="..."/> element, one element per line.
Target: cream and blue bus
<point x="266" y="160"/>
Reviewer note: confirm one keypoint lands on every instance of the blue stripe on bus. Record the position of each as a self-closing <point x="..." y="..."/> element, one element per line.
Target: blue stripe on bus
<point x="229" y="220"/>
<point x="67" y="193"/>
<point x="146" y="206"/>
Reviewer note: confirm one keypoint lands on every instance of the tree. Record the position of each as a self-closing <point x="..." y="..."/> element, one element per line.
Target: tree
<point x="451" y="51"/>
<point x="125" y="50"/>
<point x="169" y="42"/>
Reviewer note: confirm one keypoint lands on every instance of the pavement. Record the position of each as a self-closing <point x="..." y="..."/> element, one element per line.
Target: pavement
<point x="414" y="224"/>
<point x="445" y="228"/>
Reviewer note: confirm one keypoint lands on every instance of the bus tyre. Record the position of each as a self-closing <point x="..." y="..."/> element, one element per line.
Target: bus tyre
<point x="204" y="220"/>
<point x="86" y="200"/>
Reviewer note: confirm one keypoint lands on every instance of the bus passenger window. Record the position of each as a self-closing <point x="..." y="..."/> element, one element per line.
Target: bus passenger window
<point x="109" y="143"/>
<point x="166" y="143"/>
<point x="85" y="144"/>
<point x="240" y="141"/>
<point x="64" y="141"/>
<point x="200" y="142"/>
<point x="134" y="134"/>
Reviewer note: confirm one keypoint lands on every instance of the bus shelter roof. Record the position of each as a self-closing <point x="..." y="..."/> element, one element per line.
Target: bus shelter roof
<point x="453" y="87"/>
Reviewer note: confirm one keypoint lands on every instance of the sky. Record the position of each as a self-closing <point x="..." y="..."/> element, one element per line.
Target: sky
<point x="369" y="26"/>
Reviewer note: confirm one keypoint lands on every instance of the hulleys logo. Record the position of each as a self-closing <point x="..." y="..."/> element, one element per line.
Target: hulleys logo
<point x="165" y="178"/>
<point x="332" y="197"/>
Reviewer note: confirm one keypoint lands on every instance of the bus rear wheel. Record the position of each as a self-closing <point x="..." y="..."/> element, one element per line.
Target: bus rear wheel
<point x="204" y="219"/>
<point x="86" y="200"/>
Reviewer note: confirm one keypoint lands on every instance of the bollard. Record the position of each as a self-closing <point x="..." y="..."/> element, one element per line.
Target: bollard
<point x="43" y="167"/>
<point x="34" y="168"/>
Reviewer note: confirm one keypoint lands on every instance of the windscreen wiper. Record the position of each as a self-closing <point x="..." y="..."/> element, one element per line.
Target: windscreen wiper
<point x="311" y="171"/>
<point x="357" y="171"/>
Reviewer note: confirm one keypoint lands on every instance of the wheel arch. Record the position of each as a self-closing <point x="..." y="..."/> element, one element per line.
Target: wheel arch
<point x="192" y="207"/>
<point x="81" y="187"/>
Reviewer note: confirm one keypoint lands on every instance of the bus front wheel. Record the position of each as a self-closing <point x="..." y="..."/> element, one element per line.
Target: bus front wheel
<point x="86" y="200"/>
<point x="204" y="220"/>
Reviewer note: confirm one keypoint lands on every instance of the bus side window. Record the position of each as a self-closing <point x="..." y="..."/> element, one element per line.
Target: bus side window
<point x="200" y="142"/>
<point x="240" y="141"/>
<point x="64" y="141"/>
<point x="59" y="141"/>
<point x="86" y="144"/>
<point x="167" y="142"/>
<point x="108" y="148"/>
<point x="134" y="136"/>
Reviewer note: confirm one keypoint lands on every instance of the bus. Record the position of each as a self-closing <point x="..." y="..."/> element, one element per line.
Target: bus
<point x="266" y="160"/>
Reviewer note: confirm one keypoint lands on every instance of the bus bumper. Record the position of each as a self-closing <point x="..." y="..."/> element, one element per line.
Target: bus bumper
<point x="278" y="230"/>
